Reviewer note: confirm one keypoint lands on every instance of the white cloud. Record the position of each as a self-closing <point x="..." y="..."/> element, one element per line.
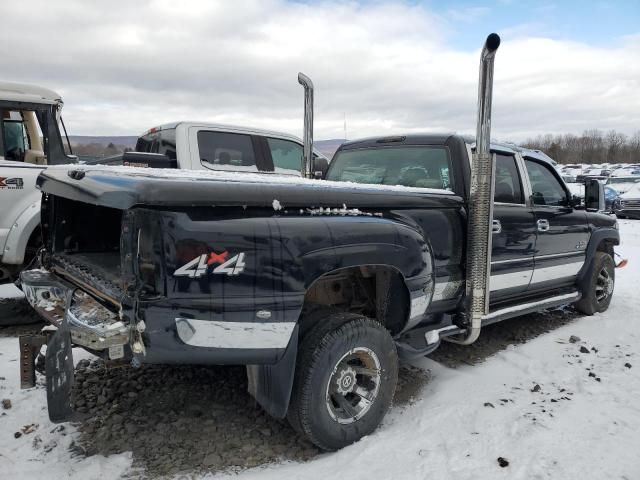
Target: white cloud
<point x="467" y="14"/>
<point x="126" y="66"/>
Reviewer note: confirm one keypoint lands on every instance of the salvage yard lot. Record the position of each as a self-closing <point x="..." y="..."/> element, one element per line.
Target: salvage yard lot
<point x="546" y="406"/>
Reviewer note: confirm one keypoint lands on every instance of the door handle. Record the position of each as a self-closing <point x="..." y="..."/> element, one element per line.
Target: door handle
<point x="496" y="226"/>
<point x="543" y="225"/>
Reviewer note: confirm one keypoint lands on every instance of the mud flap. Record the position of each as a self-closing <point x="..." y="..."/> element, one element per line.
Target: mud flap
<point x="271" y="385"/>
<point x="59" y="373"/>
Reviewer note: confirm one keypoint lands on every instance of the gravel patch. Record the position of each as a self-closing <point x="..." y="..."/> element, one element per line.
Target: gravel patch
<point x="185" y="418"/>
<point x="190" y="419"/>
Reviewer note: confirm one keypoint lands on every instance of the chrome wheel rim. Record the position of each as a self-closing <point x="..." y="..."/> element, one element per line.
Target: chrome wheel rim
<point x="604" y="285"/>
<point x="353" y="385"/>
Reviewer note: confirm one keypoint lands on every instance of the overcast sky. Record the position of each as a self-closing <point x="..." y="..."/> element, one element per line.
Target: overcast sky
<point x="125" y="66"/>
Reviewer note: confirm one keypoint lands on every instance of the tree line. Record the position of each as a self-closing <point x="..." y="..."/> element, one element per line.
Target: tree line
<point x="98" y="150"/>
<point x="593" y="146"/>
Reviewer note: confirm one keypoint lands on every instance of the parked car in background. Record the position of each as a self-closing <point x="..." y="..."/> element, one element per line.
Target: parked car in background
<point x="622" y="184"/>
<point x="30" y="140"/>
<point x="594" y="173"/>
<point x="597" y="172"/>
<point x="572" y="170"/>
<point x="628" y="204"/>
<point x="610" y="197"/>
<point x="211" y="146"/>
<point x="625" y="172"/>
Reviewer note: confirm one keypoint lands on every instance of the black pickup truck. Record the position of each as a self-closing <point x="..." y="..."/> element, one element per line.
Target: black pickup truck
<point x="318" y="286"/>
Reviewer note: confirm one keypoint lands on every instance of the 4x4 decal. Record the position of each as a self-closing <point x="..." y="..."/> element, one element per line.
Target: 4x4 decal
<point x="200" y="265"/>
<point x="11" y="183"/>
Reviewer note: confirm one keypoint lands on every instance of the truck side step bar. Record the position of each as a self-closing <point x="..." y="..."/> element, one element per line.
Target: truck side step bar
<point x="529" y="307"/>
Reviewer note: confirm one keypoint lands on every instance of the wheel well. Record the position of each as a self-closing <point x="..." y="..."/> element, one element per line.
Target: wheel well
<point x="33" y="245"/>
<point x="605" y="246"/>
<point x="35" y="239"/>
<point x="378" y="292"/>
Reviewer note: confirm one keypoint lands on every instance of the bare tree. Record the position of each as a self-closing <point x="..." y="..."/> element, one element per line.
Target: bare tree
<point x="591" y="147"/>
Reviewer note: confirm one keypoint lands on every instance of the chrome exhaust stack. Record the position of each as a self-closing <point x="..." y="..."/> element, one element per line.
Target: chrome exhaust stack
<point x="307" y="158"/>
<point x="480" y="203"/>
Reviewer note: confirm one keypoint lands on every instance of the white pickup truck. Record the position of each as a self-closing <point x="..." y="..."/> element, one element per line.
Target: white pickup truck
<point x="212" y="146"/>
<point x="30" y="139"/>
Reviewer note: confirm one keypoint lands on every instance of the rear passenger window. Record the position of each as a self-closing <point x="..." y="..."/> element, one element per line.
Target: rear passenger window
<point x="508" y="188"/>
<point x="546" y="189"/>
<point x="226" y="151"/>
<point x="158" y="141"/>
<point x="286" y="155"/>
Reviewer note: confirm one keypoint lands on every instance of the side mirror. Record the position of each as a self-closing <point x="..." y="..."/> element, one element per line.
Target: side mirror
<point x="320" y="167"/>
<point x="594" y="195"/>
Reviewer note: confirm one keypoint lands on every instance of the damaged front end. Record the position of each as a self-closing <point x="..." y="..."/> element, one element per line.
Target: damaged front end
<point x="91" y="324"/>
<point x="76" y="319"/>
<point x="84" y="308"/>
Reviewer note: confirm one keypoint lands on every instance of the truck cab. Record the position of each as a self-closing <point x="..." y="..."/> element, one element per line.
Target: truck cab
<point x="30" y="140"/>
<point x="218" y="147"/>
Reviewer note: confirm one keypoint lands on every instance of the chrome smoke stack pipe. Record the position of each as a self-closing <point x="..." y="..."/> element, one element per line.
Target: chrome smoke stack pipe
<point x="307" y="154"/>
<point x="480" y="202"/>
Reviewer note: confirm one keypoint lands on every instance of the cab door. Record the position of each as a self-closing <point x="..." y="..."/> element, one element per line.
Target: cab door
<point x="562" y="231"/>
<point x="513" y="233"/>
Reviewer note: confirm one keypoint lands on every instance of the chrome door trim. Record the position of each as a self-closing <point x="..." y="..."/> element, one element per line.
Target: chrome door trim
<point x="540" y="257"/>
<point x="556" y="272"/>
<point x="512" y="260"/>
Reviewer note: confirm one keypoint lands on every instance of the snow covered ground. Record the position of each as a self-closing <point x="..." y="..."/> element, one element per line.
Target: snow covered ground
<point x="547" y="409"/>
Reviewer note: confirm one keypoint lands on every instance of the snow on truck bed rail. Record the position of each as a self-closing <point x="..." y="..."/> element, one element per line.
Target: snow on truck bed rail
<point x="243" y="177"/>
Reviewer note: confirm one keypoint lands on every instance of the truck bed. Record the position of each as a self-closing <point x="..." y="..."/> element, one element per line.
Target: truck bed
<point x="99" y="271"/>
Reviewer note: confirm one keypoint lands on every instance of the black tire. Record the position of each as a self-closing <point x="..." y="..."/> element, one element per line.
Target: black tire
<point x="17" y="311"/>
<point x="599" y="289"/>
<point x="340" y="346"/>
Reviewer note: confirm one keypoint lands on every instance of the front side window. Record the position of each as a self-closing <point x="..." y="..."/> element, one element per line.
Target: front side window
<point x="545" y="187"/>
<point x="22" y="136"/>
<point x="14" y="134"/>
<point x="226" y="151"/>
<point x="422" y="167"/>
<point x="286" y="155"/>
<point x="508" y="188"/>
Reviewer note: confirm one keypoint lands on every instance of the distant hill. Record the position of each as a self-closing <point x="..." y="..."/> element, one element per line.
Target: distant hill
<point x="124" y="140"/>
<point x="327" y="147"/>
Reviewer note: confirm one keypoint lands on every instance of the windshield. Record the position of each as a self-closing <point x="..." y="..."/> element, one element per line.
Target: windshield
<point x="423" y="167"/>
<point x="617" y="180"/>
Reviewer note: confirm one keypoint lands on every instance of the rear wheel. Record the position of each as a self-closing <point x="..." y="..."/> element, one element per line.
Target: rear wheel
<point x="599" y="289"/>
<point x="345" y="380"/>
